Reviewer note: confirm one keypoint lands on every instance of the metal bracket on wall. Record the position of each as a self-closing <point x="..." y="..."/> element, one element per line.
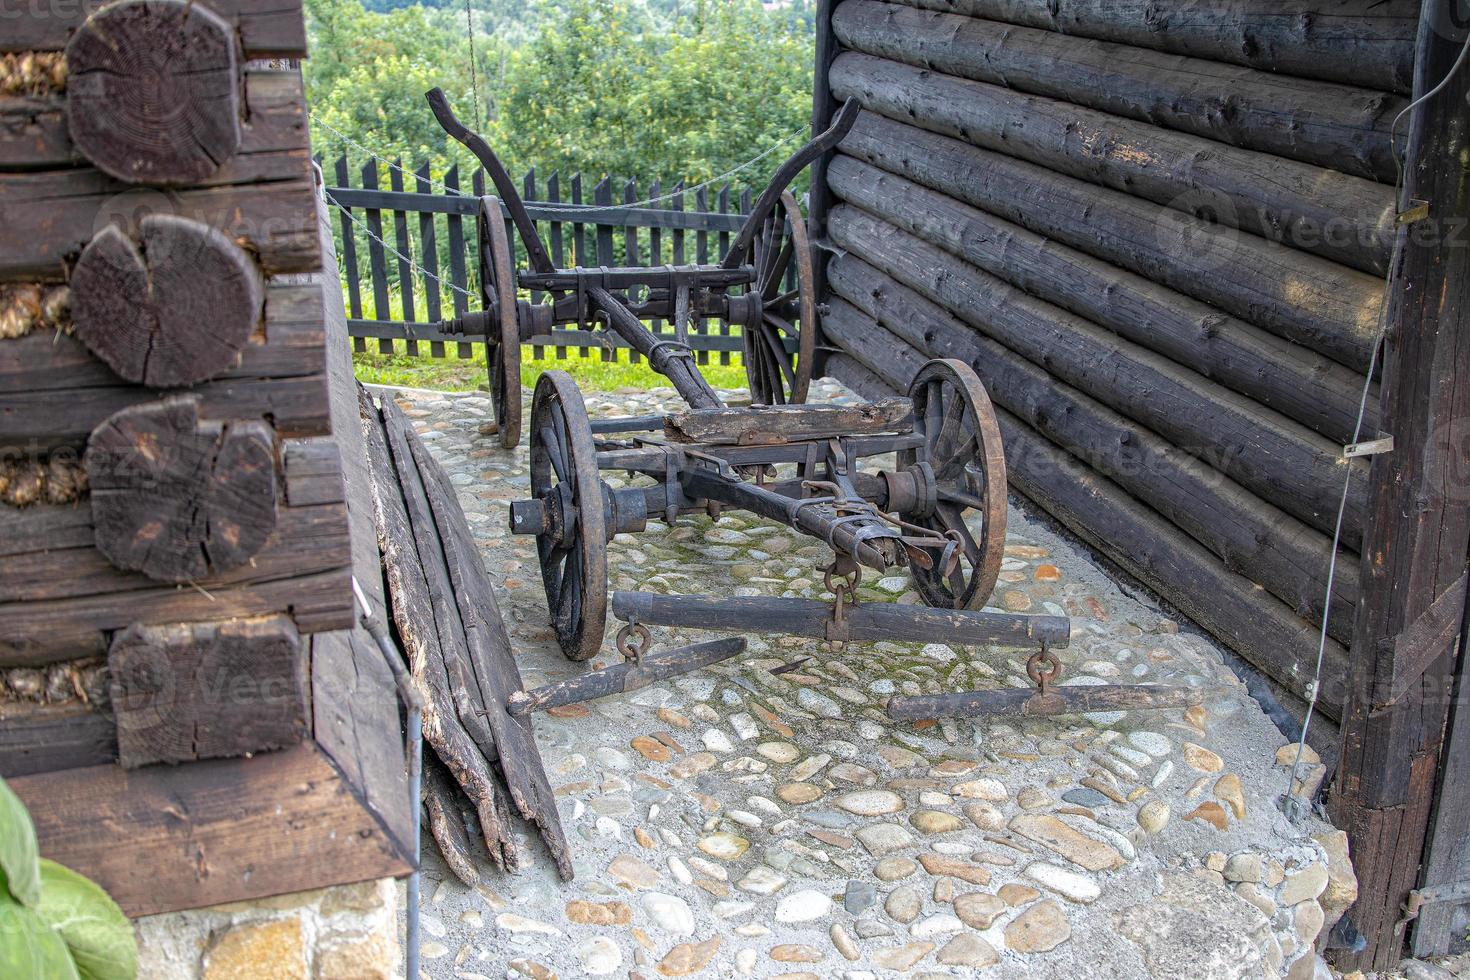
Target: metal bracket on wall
<point x="1368" y="447"/>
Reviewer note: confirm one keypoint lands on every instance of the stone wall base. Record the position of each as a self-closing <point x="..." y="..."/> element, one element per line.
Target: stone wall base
<point x="348" y="932"/>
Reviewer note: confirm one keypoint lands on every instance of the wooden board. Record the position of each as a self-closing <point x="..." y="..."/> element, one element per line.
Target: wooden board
<point x="766" y="425"/>
<point x="223" y="830"/>
<point x="49" y="737"/>
<point x="266" y="28"/>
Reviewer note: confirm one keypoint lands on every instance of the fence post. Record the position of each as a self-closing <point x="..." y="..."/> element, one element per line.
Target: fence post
<point x="429" y="252"/>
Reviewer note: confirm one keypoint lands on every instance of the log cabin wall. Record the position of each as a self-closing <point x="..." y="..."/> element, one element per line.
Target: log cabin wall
<point x="1159" y="232"/>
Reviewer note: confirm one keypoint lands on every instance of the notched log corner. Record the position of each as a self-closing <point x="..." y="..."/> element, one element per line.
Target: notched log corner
<point x="178" y="498"/>
<point x="189" y="691"/>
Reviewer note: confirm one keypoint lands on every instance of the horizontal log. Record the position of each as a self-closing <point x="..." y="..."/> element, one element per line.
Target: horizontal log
<point x="305" y="541"/>
<point x="1330" y="125"/>
<point x="43" y="421"/>
<point x="266" y="28"/>
<point x="274" y="143"/>
<point x="1333" y="215"/>
<point x="35" y="633"/>
<point x="1251" y="536"/>
<point x="312" y="469"/>
<point x="1298" y="382"/>
<point x="62" y="209"/>
<point x="1239" y="613"/>
<point x="769" y="424"/>
<point x="858" y="376"/>
<point x="1059" y="700"/>
<point x="1279" y="460"/>
<point x="290" y="345"/>
<point x="626" y="677"/>
<point x="866" y="621"/>
<point x="50" y="737"/>
<point x="1357" y="42"/>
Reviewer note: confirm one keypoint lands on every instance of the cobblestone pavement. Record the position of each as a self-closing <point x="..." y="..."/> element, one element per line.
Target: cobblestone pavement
<point x="736" y="821"/>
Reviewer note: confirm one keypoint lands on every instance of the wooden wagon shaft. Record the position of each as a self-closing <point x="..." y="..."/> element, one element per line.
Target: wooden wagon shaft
<point x="866" y="621"/>
<point x="625" y="677"/>
<point x="1058" y="700"/>
<point x="661" y="277"/>
<point x="666" y="360"/>
<point x="820" y="521"/>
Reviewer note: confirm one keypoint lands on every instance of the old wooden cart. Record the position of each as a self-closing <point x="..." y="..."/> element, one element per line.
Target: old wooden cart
<point x="796" y="464"/>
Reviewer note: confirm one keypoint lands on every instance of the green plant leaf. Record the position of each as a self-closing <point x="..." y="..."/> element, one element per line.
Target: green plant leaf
<point x="99" y="936"/>
<point x="20" y="870"/>
<point x="29" y="948"/>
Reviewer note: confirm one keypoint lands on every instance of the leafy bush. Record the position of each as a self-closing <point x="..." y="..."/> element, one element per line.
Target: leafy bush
<point x="54" y="923"/>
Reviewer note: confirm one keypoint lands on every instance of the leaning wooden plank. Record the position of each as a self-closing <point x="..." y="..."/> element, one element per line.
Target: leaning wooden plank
<point x="266" y="28"/>
<point x="43" y="421"/>
<point x="771" y="424"/>
<point x="1122" y="290"/>
<point x="414" y="615"/>
<point x="210" y="832"/>
<point x="442" y="800"/>
<point x="493" y="660"/>
<point x="1253" y="537"/>
<point x="1357" y="42"/>
<point x="50" y="737"/>
<point x="1236" y="611"/>
<point x="273" y="135"/>
<point x="1279" y="460"/>
<point x="35" y="633"/>
<point x="1278" y="199"/>
<point x="1342" y="127"/>
<point x="62" y="209"/>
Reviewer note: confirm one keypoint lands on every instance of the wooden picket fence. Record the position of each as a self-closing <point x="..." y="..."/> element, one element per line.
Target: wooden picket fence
<point x="432" y="227"/>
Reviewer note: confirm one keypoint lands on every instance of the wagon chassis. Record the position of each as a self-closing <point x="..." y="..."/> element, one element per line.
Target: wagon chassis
<point x="791" y="463"/>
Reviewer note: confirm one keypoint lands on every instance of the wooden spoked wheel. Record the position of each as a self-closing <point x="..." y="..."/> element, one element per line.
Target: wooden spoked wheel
<point x="573" y="546"/>
<point x="777" y="377"/>
<point x="502" y="332"/>
<point x="962" y="447"/>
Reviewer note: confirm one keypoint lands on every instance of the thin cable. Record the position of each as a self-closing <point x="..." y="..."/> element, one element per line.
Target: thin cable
<point x="1297" y="809"/>
<point x="469" y="17"/>
<point x="576" y="208"/>
<point x="379" y="239"/>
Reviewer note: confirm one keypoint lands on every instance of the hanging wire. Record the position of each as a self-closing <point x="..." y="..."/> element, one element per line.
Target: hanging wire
<point x="578" y="208"/>
<point x="469" y="17"/>
<point x="379" y="239"/>
<point x="1297" y="809"/>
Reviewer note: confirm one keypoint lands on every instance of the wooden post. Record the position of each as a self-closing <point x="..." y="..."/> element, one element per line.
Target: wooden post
<point x="1418" y="529"/>
<point x="820" y="199"/>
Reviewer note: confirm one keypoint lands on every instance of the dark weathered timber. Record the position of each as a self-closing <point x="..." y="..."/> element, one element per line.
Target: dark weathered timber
<point x="413" y="615"/>
<point x="1358" y="42"/>
<point x="1419" y="524"/>
<point x="1259" y="193"/>
<point x="1341" y="127"/>
<point x="1254" y="538"/>
<point x="61" y="210"/>
<point x="312" y="471"/>
<point x="859" y="377"/>
<point x="153" y="91"/>
<point x="190" y="691"/>
<point x="1281" y="461"/>
<point x="1333" y="309"/>
<point x="142" y="306"/>
<point x="866" y="621"/>
<point x="61" y="418"/>
<point x="493" y="662"/>
<point x="306" y="540"/>
<point x="626" y="677"/>
<point x="1295" y="380"/>
<point x="266" y="28"/>
<point x="769" y="424"/>
<point x="177" y="499"/>
<point x="443" y="801"/>
<point x="273" y="134"/>
<point x="1059" y="700"/>
<point x="42" y="632"/>
<point x="50" y="737"/>
<point x="461" y="684"/>
<point x="678" y="367"/>
<point x="241" y="836"/>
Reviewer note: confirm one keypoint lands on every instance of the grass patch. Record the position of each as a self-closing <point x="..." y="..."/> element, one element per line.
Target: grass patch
<point x="591" y="372"/>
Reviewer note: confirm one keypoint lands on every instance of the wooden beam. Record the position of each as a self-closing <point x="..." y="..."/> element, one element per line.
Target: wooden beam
<point x="266" y="28"/>
<point x="1357" y="42"/>
<point x="224" y="830"/>
<point x="1418" y="528"/>
<point x="49" y="737"/>
<point x="1341" y="127"/>
<point x="760" y="425"/>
